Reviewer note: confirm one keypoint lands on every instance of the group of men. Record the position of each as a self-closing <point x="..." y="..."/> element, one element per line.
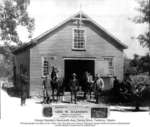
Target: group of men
<point x="75" y="85"/>
<point x="87" y="85"/>
<point x="50" y="87"/>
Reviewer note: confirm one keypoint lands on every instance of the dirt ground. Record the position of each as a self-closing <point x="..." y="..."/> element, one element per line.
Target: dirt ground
<point x="12" y="113"/>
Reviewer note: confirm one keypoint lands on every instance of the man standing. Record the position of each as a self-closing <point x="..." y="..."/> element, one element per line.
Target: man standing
<point x="24" y="81"/>
<point x="99" y="86"/>
<point x="74" y="85"/>
<point x="116" y="86"/>
<point x="46" y="95"/>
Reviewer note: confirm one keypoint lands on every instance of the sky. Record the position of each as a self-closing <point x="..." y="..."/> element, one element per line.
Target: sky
<point x="113" y="15"/>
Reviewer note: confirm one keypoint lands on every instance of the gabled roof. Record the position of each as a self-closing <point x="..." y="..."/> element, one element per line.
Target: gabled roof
<point x="85" y="18"/>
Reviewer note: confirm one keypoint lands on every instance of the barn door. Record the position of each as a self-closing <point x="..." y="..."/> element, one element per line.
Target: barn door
<point x="102" y="67"/>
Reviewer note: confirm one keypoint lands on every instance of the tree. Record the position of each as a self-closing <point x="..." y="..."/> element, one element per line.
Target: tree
<point x="135" y="61"/>
<point x="12" y="14"/>
<point x="139" y="64"/>
<point x="6" y="63"/>
<point x="139" y="88"/>
<point x="144" y="64"/>
<point x="140" y="80"/>
<point x="144" y="18"/>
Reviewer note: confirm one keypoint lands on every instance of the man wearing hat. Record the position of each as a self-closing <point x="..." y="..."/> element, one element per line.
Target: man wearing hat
<point x="99" y="86"/>
<point x="74" y="85"/>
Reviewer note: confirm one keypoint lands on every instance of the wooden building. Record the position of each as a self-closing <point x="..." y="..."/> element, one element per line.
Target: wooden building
<point x="76" y="45"/>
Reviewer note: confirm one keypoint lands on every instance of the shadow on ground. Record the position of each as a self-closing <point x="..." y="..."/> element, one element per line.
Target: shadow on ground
<point x="12" y="91"/>
<point x="130" y="110"/>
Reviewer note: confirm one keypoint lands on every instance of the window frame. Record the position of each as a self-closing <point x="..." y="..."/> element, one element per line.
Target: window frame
<point x="111" y="68"/>
<point x="73" y="43"/>
<point x="44" y="59"/>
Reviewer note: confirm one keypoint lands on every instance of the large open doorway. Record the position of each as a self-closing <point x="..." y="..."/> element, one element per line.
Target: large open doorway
<point x="78" y="67"/>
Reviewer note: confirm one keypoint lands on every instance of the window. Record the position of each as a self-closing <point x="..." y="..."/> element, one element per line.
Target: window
<point x="45" y="66"/>
<point x="110" y="65"/>
<point x="110" y="61"/>
<point x="78" y="39"/>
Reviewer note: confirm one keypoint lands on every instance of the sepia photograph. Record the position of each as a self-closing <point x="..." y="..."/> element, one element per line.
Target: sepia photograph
<point x="74" y="63"/>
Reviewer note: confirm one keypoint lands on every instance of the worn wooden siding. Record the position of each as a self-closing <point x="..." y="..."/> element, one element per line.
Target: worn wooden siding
<point x="24" y="59"/>
<point x="59" y="45"/>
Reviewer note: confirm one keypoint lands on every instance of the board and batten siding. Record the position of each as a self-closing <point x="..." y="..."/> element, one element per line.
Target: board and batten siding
<point x="59" y="46"/>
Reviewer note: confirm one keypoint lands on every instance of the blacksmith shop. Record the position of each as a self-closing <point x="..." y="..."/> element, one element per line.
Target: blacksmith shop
<point x="76" y="45"/>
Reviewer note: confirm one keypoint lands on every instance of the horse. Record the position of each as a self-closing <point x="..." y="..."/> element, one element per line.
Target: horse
<point x="87" y="84"/>
<point x="56" y="86"/>
<point x="60" y="89"/>
<point x="91" y="85"/>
